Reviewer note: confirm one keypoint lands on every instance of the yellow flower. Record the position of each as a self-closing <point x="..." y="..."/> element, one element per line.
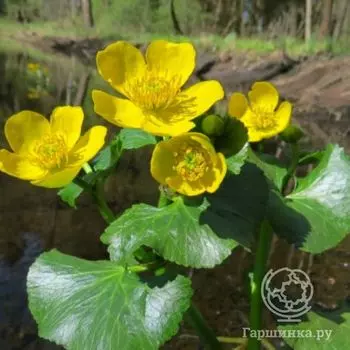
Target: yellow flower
<point x="33" y="67"/>
<point x="260" y="116"/>
<point x="49" y="154"/>
<point x="188" y="164"/>
<point x="152" y="86"/>
<point x="33" y="94"/>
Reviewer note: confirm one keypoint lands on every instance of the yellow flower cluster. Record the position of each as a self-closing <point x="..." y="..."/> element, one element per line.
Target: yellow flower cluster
<point x="155" y="100"/>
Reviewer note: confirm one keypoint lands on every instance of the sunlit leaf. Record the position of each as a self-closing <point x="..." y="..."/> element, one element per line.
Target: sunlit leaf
<point x="82" y="304"/>
<point x="316" y="215"/>
<point x="320" y="332"/>
<point x="196" y="233"/>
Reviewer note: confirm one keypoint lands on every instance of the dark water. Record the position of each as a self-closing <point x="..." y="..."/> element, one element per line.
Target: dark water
<point x="33" y="219"/>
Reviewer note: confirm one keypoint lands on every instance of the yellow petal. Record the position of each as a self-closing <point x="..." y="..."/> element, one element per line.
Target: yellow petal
<point x="25" y="127"/>
<point x="162" y="162"/>
<point x="184" y="187"/>
<point x="219" y="173"/>
<point x="238" y="105"/>
<point x="203" y="140"/>
<point x="67" y="120"/>
<point x="118" y="111"/>
<point x="159" y="128"/>
<point x="265" y="95"/>
<point x="58" y="179"/>
<point x="88" y="146"/>
<point x="171" y="59"/>
<point x="20" y="167"/>
<point x="283" y="116"/>
<point x="255" y="136"/>
<point x="119" y="62"/>
<point x="197" y="99"/>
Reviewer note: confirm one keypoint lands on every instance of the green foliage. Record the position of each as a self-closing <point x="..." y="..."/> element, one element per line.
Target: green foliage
<point x="316" y="215"/>
<point x="336" y="322"/>
<point x="191" y="233"/>
<point x="106" y="160"/>
<point x="84" y="304"/>
<point x="272" y="168"/>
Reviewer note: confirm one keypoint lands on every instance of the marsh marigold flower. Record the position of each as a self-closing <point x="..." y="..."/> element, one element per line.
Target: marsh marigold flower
<point x="188" y="164"/>
<point x="49" y="154"/>
<point x="152" y="85"/>
<point x="260" y="115"/>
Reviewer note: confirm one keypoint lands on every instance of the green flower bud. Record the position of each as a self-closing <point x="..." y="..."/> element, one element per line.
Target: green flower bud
<point x="292" y="134"/>
<point x="213" y="125"/>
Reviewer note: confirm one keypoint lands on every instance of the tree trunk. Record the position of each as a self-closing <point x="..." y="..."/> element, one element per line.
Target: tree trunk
<point x="308" y="20"/>
<point x="87" y="13"/>
<point x="176" y="24"/>
<point x="326" y="25"/>
<point x="341" y="19"/>
<point x="294" y="20"/>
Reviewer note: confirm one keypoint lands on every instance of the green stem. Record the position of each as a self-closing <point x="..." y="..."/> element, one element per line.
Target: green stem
<point x="261" y="257"/>
<point x="293" y="165"/>
<point x="83" y="184"/>
<point x="232" y="340"/>
<point x="163" y="201"/>
<point x="99" y="197"/>
<point x="205" y="333"/>
<point x="87" y="168"/>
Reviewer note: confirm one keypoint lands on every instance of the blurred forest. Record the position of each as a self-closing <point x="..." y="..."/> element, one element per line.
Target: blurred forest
<point x="301" y="19"/>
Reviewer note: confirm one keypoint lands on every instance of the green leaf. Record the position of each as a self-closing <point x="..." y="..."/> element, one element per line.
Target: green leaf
<point x="70" y="193"/>
<point x="109" y="156"/>
<point x="126" y="139"/>
<point x="173" y="231"/>
<point x="135" y="138"/>
<point x="235" y="162"/>
<point x="107" y="159"/>
<point x="316" y="215"/>
<point x="194" y="234"/>
<point x="271" y="167"/>
<point x="233" y="139"/>
<point x="336" y="323"/>
<point x="82" y="304"/>
<point x="238" y="207"/>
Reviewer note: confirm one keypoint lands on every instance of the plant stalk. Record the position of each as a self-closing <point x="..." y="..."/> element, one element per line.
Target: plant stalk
<point x="262" y="253"/>
<point x="205" y="333"/>
<point x="99" y="198"/>
<point x="293" y="165"/>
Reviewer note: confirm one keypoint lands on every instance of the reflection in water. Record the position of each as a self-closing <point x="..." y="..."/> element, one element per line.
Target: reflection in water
<point x="39" y="83"/>
<point x="43" y="82"/>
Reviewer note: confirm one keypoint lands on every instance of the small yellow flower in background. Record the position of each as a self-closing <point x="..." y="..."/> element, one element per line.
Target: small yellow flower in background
<point x="33" y="67"/>
<point x="49" y="154"/>
<point x="152" y="86"/>
<point x="33" y="94"/>
<point x="188" y="164"/>
<point x="260" y="115"/>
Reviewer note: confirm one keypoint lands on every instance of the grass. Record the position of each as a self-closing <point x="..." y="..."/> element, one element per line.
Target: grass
<point x="210" y="42"/>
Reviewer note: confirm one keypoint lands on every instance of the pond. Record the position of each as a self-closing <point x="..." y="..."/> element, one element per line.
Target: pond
<point x="33" y="219"/>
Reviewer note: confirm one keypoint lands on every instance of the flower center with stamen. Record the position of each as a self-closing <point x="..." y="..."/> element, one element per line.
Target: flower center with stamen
<point x="264" y="118"/>
<point x="153" y="92"/>
<point x="51" y="152"/>
<point x="191" y="163"/>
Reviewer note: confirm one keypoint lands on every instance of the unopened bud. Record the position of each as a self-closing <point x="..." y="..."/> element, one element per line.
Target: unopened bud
<point x="292" y="134"/>
<point x="213" y="125"/>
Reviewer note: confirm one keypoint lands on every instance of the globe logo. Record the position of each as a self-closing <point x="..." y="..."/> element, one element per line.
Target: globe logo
<point x="287" y="293"/>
